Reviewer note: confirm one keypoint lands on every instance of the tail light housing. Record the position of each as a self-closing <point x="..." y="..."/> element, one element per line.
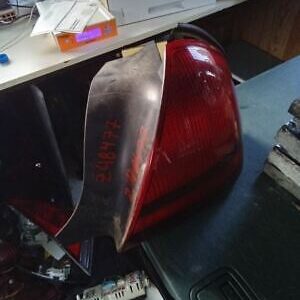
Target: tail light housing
<point x="159" y="137"/>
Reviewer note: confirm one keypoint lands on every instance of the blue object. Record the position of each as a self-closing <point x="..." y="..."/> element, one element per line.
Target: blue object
<point x="108" y="285"/>
<point x="3" y="58"/>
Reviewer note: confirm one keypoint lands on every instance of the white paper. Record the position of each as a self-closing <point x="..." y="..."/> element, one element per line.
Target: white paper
<point x="78" y="17"/>
<point x="51" y="15"/>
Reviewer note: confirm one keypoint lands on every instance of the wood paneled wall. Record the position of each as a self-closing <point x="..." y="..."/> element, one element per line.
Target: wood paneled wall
<point x="270" y="25"/>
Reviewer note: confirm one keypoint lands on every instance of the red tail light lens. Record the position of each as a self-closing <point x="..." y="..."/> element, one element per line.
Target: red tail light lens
<point x="197" y="149"/>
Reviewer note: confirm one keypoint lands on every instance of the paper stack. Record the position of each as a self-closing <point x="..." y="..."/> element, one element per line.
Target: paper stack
<point x="64" y="16"/>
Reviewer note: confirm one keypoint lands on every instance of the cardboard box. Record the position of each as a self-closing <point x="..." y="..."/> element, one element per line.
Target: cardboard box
<point x="101" y="26"/>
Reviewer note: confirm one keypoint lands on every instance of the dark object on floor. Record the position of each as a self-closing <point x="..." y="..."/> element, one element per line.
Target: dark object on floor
<point x="10" y="287"/>
<point x="9" y="230"/>
<point x="8" y="257"/>
<point x="247" y="61"/>
<point x="40" y="291"/>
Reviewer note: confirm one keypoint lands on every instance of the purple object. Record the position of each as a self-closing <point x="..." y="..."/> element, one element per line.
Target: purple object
<point x="88" y="35"/>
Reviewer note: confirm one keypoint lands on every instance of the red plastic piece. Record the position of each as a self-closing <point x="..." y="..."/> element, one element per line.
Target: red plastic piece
<point x="198" y="145"/>
<point x="48" y="216"/>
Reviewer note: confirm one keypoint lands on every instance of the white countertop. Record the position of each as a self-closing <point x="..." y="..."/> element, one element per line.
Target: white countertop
<point x="33" y="57"/>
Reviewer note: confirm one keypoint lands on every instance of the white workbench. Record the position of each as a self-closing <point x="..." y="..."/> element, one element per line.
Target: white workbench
<point x="36" y="56"/>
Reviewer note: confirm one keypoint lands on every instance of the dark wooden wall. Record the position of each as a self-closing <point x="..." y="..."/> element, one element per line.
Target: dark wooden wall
<point x="270" y="25"/>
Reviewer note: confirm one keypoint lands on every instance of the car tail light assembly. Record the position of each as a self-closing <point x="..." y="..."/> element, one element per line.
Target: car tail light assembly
<point x="160" y="136"/>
